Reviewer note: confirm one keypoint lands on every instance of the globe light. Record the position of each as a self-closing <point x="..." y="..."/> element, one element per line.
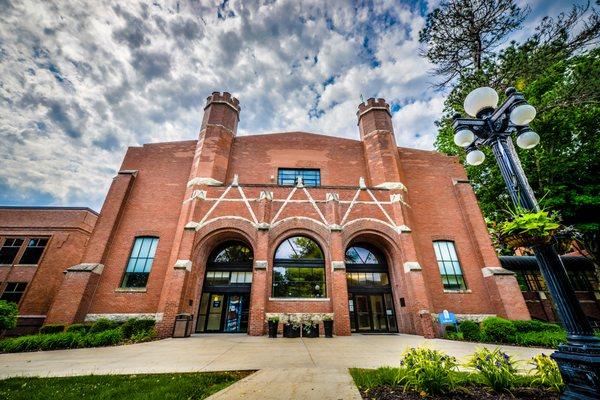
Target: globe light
<point x="528" y="139"/>
<point x="522" y="115"/>
<point x="464" y="138"/>
<point x="475" y="157"/>
<point x="479" y="99"/>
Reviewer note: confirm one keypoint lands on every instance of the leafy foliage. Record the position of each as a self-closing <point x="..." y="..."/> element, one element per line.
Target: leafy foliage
<point x="541" y="339"/>
<point x="52" y="328"/>
<point x="533" y="224"/>
<point x="103" y="324"/>
<point x="430" y="371"/>
<point x="536" y="326"/>
<point x="136" y="326"/>
<point x="80" y="328"/>
<point x="470" y="330"/>
<point x="496" y="367"/>
<point x="498" y="330"/>
<point x="8" y="315"/>
<point x="546" y="372"/>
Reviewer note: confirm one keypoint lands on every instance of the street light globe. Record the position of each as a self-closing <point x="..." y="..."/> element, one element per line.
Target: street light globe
<point x="475" y="157"/>
<point x="480" y="98"/>
<point x="522" y="115"/>
<point x="464" y="138"/>
<point x="528" y="140"/>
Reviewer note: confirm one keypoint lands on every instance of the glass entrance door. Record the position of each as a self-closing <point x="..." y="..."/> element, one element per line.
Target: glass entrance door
<point x="223" y="312"/>
<point x="368" y="313"/>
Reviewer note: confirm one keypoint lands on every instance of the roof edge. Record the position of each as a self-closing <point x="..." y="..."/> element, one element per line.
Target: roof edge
<point x="50" y="208"/>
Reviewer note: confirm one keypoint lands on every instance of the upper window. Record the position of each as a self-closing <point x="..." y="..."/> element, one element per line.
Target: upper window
<point x="530" y="281"/>
<point x="289" y="177"/>
<point x="33" y="251"/>
<point x="13" y="291"/>
<point x="232" y="252"/>
<point x="360" y="255"/>
<point x="450" y="270"/>
<point x="9" y="250"/>
<point x="299" y="269"/>
<point x="140" y="262"/>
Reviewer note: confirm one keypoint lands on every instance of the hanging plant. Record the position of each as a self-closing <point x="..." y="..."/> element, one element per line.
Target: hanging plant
<point x="527" y="228"/>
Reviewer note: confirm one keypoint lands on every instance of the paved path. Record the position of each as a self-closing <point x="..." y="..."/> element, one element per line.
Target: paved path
<point x="290" y="368"/>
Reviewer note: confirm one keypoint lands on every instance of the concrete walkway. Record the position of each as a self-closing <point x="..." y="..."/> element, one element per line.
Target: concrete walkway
<point x="289" y="368"/>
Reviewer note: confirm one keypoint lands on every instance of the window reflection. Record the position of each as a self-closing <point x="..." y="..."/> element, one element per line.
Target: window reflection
<point x="299" y="269"/>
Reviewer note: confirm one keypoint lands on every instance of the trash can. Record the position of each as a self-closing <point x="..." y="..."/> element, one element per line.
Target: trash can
<point x="182" y="325"/>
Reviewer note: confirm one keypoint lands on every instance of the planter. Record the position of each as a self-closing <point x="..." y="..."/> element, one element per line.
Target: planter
<point x="516" y="241"/>
<point x="273" y="329"/>
<point x="310" y="331"/>
<point x="291" y="331"/>
<point x="328" y="325"/>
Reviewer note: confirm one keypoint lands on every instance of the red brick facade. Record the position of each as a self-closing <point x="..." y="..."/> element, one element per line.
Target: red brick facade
<point x="194" y="195"/>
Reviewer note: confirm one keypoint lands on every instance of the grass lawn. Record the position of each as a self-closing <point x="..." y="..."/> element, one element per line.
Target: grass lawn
<point x="147" y="386"/>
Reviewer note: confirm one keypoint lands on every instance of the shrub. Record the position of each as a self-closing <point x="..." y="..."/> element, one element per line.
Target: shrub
<point x="144" y="336"/>
<point x="57" y="341"/>
<point x="135" y="326"/>
<point x="470" y="330"/>
<point x="52" y="328"/>
<point x="496" y="368"/>
<point x="536" y="326"/>
<point x="105" y="338"/>
<point x="430" y="371"/>
<point x="80" y="328"/>
<point x="542" y="339"/>
<point x="455" y="335"/>
<point x="22" y="343"/>
<point x="103" y="324"/>
<point x="8" y="315"/>
<point x="546" y="372"/>
<point x="495" y="329"/>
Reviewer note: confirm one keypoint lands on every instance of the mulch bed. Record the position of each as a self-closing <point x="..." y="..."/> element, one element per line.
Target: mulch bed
<point x="468" y="393"/>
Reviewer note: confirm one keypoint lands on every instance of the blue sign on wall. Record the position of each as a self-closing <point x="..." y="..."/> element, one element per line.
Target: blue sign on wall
<point x="446" y="317"/>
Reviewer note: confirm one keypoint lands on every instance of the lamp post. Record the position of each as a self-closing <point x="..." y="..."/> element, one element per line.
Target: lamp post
<point x="493" y="125"/>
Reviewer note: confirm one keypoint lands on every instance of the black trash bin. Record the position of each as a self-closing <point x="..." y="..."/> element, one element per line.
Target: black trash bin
<point x="182" y="325"/>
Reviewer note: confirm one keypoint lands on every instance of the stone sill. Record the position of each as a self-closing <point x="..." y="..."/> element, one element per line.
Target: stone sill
<point x="19" y="265"/>
<point x="458" y="291"/>
<point x="298" y="299"/>
<point x="131" y="290"/>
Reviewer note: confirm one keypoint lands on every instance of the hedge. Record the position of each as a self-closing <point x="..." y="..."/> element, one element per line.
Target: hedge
<point x="135" y="326"/>
<point x="470" y="330"/>
<point x="52" y="328"/>
<point x="500" y="330"/>
<point x="103" y="324"/>
<point x="81" y="328"/>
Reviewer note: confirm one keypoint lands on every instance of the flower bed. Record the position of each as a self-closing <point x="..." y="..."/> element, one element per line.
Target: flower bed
<point x="101" y="333"/>
<point x="431" y="374"/>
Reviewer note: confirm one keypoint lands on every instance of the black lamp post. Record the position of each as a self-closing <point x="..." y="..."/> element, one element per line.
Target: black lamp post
<point x="579" y="358"/>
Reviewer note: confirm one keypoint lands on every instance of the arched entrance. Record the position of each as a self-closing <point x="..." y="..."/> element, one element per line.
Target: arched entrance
<point x="225" y="301"/>
<point x="369" y="290"/>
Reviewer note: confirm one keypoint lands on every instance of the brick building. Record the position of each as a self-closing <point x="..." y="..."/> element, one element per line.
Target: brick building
<point x="231" y="228"/>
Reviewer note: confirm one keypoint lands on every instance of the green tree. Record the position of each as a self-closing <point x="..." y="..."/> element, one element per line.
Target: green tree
<point x="8" y="316"/>
<point x="557" y="70"/>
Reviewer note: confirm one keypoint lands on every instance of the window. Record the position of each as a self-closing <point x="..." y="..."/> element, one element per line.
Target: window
<point x="530" y="281"/>
<point x="9" y="250"/>
<point x="216" y="278"/>
<point x="289" y="177"/>
<point x="582" y="280"/>
<point x="360" y="255"/>
<point x="13" y="291"/>
<point x="140" y="262"/>
<point x="367" y="278"/>
<point x="232" y="252"/>
<point x="450" y="270"/>
<point x="299" y="269"/>
<point x="33" y="251"/>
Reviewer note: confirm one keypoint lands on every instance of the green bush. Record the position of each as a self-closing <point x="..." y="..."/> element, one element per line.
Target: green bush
<point x="57" y="341"/>
<point x="8" y="315"/>
<point x="109" y="337"/>
<point x="500" y="330"/>
<point x="135" y="326"/>
<point x="536" y="326"/>
<point x="22" y="343"/>
<point x="430" y="371"/>
<point x="496" y="368"/>
<point x="455" y="336"/>
<point x="52" y="328"/>
<point x="103" y="324"/>
<point x="470" y="330"/>
<point x="144" y="336"/>
<point x="542" y="339"/>
<point x="80" y="328"/>
<point x="546" y="372"/>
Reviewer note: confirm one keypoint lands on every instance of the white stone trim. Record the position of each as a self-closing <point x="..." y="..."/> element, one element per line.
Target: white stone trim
<point x="381" y="208"/>
<point x="191" y="225"/>
<point x="260" y="264"/>
<point x="131" y="290"/>
<point x="236" y="180"/>
<point x="472" y="317"/>
<point x="86" y="267"/>
<point x="337" y="265"/>
<point x="361" y="183"/>
<point x="123" y="316"/>
<point x="284" y="204"/>
<point x="247" y="203"/>
<point x="491" y="271"/>
<point x="458" y="291"/>
<point x="332" y="197"/>
<point x="215" y="205"/>
<point x="183" y="264"/>
<point x="392" y="186"/>
<point x="412" y="266"/>
<point x="335" y="228"/>
<point x="266" y="195"/>
<point x="299" y="299"/>
<point x="263" y="226"/>
<point x="403" y="229"/>
<point x="312" y="201"/>
<point x="204" y="181"/>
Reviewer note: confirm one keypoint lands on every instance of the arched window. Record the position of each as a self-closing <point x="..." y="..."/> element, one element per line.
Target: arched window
<point x="229" y="264"/>
<point x="361" y="255"/>
<point x="365" y="267"/>
<point x="299" y="269"/>
<point x="231" y="252"/>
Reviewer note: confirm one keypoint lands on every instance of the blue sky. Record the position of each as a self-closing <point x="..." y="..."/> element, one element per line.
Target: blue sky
<point x="81" y="81"/>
